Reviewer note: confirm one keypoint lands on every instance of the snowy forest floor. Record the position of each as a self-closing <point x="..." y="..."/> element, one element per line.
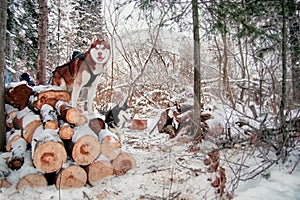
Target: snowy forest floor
<point x="167" y="170"/>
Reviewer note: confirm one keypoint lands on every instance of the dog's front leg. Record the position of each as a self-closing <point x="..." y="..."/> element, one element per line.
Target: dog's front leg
<point x="75" y="93"/>
<point x="92" y="94"/>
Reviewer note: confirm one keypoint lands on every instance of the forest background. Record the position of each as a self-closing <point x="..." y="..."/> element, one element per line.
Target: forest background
<point x="246" y="55"/>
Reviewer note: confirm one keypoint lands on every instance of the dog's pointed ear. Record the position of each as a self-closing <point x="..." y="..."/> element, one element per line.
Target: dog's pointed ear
<point x="94" y="38"/>
<point x="105" y="38"/>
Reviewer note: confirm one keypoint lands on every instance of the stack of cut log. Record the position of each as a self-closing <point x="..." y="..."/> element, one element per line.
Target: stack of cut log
<point x="50" y="142"/>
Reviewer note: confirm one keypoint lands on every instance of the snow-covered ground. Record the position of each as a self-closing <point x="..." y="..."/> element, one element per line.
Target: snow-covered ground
<point x="167" y="170"/>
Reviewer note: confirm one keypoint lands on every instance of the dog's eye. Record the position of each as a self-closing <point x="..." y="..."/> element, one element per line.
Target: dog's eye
<point x="99" y="46"/>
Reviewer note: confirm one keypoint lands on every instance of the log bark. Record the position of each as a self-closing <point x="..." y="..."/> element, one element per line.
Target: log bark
<point x="70" y="114"/>
<point x="85" y="145"/>
<point x="10" y="113"/>
<point x="46" y="94"/>
<point x="48" y="150"/>
<point x="98" y="170"/>
<point x="123" y="163"/>
<point x="110" y="146"/>
<point x="17" y="94"/>
<point x="66" y="132"/>
<point x="49" y="117"/>
<point x="72" y="176"/>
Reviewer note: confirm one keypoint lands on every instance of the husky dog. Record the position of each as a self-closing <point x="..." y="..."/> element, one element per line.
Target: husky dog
<point x="83" y="71"/>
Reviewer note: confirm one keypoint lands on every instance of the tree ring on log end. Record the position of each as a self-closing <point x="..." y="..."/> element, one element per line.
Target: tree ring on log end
<point x="86" y="150"/>
<point x="49" y="156"/>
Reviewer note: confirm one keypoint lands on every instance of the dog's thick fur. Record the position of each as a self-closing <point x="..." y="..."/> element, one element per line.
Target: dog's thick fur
<point x="83" y="71"/>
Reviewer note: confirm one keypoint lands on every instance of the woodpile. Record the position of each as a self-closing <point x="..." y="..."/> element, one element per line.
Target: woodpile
<point x="50" y="142"/>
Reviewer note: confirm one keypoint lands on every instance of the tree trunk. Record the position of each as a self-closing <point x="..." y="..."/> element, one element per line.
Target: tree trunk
<point x="197" y="68"/>
<point x="294" y="41"/>
<point x="3" y="17"/>
<point x="42" y="42"/>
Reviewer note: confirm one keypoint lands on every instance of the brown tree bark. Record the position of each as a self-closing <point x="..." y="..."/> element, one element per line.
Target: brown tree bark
<point x="42" y="42"/>
<point x="3" y="17"/>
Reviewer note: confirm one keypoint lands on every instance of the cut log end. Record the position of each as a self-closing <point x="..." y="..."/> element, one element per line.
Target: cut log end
<point x="75" y="117"/>
<point x="71" y="177"/>
<point x="32" y="180"/>
<point x="99" y="170"/>
<point x="49" y="156"/>
<point x="110" y="147"/>
<point x="86" y="150"/>
<point x="5" y="184"/>
<point x="66" y="133"/>
<point x="123" y="163"/>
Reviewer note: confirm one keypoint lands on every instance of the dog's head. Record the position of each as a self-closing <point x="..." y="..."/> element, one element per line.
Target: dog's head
<point x="100" y="50"/>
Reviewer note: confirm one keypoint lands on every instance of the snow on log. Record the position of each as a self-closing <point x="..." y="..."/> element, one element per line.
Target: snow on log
<point x="123" y="163"/>
<point x="66" y="131"/>
<point x="49" y="117"/>
<point x="110" y="145"/>
<point x="27" y="121"/>
<point x="28" y="175"/>
<point x="85" y="147"/>
<point x="12" y="136"/>
<point x="30" y="123"/>
<point x="48" y="152"/>
<point x="99" y="169"/>
<point x="18" y="146"/>
<point x="4" y="171"/>
<point x="10" y="113"/>
<point x="70" y="114"/>
<point x="71" y="176"/>
<point x="47" y="94"/>
<point x="17" y="94"/>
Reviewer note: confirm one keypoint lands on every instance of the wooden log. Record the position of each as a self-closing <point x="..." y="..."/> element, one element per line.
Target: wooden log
<point x="96" y="124"/>
<point x="85" y="145"/>
<point x="48" y="152"/>
<point x="66" y="131"/>
<point x="10" y="113"/>
<point x="110" y="146"/>
<point x="123" y="163"/>
<point x="49" y="117"/>
<point x="99" y="169"/>
<point x="70" y="114"/>
<point x="47" y="94"/>
<point x="138" y="124"/>
<point x="17" y="120"/>
<point x="30" y="123"/>
<point x="17" y="145"/>
<point x="27" y="121"/>
<point x="4" y="170"/>
<point x="12" y="136"/>
<point x="28" y="175"/>
<point x="17" y="94"/>
<point x="72" y="176"/>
